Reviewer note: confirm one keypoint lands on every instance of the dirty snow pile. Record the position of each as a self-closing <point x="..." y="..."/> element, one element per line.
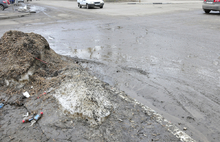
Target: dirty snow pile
<point x="26" y="59"/>
<point x="80" y="97"/>
<point x="30" y="8"/>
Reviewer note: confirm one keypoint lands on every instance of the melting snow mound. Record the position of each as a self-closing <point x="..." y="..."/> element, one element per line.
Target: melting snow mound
<point x="83" y="99"/>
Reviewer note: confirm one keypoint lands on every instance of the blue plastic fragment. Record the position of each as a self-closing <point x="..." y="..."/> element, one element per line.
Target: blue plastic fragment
<point x="30" y="119"/>
<point x="37" y="117"/>
<point x="1" y="105"/>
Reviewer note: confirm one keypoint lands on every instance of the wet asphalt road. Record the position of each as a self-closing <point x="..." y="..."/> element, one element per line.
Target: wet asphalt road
<point x="169" y="61"/>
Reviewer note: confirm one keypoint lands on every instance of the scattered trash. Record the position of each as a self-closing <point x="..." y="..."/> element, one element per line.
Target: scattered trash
<point x="120" y="120"/>
<point x="33" y="119"/>
<point x="27" y="119"/>
<point x="1" y="105"/>
<point x="42" y="95"/>
<point x="26" y="115"/>
<point x="36" y="118"/>
<point x="41" y="60"/>
<point x="26" y="94"/>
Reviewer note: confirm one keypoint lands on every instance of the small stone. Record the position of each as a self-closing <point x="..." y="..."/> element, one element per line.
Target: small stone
<point x="215" y="63"/>
<point x="184" y="128"/>
<point x="120" y="120"/>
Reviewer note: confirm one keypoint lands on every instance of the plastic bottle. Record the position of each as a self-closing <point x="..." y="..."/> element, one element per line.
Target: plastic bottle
<point x="27" y="119"/>
<point x="38" y="116"/>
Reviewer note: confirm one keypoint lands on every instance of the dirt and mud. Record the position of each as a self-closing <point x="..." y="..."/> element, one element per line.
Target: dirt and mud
<point x="76" y="105"/>
<point x="26" y="59"/>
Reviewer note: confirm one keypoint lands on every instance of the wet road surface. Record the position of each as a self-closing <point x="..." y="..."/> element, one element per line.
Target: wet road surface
<point x="168" y="61"/>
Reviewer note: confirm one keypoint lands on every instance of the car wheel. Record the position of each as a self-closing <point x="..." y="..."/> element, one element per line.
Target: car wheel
<point x="101" y="6"/>
<point x="87" y="6"/>
<point x="207" y="11"/>
<point x="1" y="8"/>
<point x="79" y="6"/>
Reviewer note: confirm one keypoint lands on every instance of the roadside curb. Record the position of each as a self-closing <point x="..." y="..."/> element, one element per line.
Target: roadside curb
<point x="171" y="2"/>
<point x="12" y="15"/>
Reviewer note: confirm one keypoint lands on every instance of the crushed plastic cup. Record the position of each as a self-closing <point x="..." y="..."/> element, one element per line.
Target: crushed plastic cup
<point x="26" y="94"/>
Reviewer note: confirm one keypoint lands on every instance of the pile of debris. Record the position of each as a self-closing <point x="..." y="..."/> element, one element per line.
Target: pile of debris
<point x="26" y="60"/>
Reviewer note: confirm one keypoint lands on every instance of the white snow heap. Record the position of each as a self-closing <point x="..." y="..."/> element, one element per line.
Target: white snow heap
<point x="86" y="101"/>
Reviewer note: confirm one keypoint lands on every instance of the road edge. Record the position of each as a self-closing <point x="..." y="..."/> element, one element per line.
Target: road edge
<point x="160" y="119"/>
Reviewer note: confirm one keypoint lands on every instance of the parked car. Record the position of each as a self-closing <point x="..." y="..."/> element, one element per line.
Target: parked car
<point x="90" y="3"/>
<point x="211" y="5"/>
<point x="3" y="4"/>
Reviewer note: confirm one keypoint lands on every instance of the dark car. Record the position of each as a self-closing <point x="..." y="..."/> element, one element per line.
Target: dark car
<point x="211" y="5"/>
<point x="3" y="4"/>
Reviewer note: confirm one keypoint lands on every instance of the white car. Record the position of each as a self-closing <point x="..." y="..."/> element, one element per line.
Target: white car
<point x="90" y="3"/>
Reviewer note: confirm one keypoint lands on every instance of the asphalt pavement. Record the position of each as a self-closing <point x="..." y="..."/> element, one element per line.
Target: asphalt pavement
<point x="9" y="15"/>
